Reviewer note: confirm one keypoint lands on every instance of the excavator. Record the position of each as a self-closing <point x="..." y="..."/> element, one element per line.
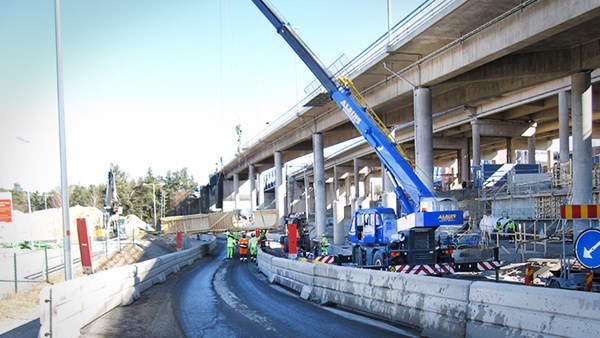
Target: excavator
<point x="114" y="223"/>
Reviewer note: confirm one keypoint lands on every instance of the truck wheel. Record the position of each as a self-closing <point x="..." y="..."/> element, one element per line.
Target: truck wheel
<point x="378" y="259"/>
<point x="554" y="284"/>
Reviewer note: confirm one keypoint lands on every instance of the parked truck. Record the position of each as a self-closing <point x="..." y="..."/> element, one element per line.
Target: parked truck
<point x="380" y="236"/>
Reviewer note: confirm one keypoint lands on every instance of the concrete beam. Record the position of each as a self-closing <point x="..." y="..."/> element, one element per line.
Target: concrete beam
<point x="451" y="143"/>
<point x="542" y="18"/>
<point x="559" y="62"/>
<point x="494" y="128"/>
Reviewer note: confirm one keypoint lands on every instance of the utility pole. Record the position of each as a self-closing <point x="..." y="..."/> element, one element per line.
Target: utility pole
<point x="154" y="198"/>
<point x="63" y="146"/>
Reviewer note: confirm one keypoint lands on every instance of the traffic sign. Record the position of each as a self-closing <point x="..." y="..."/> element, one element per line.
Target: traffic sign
<point x="587" y="248"/>
<point x="5" y="207"/>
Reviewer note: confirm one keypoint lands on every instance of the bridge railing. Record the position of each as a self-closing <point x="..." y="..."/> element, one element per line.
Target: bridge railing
<point x="220" y="222"/>
<point x="428" y="10"/>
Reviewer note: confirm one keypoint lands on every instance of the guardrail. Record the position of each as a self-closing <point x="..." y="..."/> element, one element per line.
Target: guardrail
<point x="441" y="306"/>
<point x="67" y="307"/>
<point x="220" y="221"/>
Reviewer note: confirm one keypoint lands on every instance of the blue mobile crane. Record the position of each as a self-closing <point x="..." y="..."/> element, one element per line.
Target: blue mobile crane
<point x="378" y="236"/>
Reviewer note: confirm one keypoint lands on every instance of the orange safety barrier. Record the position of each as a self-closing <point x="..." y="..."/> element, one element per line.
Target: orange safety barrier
<point x="529" y="275"/>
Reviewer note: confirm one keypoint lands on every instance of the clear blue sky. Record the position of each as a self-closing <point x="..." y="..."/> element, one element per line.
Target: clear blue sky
<point x="157" y="84"/>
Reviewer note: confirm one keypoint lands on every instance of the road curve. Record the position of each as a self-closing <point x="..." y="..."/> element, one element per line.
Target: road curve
<point x="229" y="298"/>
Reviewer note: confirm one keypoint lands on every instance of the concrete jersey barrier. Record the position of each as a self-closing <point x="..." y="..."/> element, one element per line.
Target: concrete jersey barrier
<point x="442" y="307"/>
<point x="68" y="306"/>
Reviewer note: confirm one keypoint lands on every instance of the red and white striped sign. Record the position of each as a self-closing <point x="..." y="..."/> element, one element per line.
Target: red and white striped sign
<point x="324" y="259"/>
<point x="489" y="265"/>
<point x="423" y="269"/>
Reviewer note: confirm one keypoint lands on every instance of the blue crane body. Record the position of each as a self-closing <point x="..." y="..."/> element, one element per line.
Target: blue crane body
<point x="377" y="234"/>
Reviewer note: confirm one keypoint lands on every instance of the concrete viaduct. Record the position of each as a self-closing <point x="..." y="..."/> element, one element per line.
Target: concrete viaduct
<point x="458" y="82"/>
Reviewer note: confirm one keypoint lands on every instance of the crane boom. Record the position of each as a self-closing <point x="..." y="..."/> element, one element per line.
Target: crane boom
<point x="379" y="236"/>
<point x="401" y="173"/>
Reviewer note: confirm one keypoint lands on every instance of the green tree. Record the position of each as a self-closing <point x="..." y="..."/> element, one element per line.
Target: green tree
<point x="178" y="187"/>
<point x="124" y="188"/>
<point x="79" y="196"/>
<point x="135" y="196"/>
<point x="37" y="201"/>
<point x="19" y="198"/>
<point x="97" y="195"/>
<point x="142" y="200"/>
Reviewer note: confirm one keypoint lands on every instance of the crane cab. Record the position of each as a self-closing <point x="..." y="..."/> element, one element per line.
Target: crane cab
<point x="374" y="225"/>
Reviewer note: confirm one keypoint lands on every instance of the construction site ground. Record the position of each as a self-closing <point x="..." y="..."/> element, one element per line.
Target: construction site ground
<point x="19" y="313"/>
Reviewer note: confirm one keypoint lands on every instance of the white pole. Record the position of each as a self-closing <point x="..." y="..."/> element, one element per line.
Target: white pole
<point x="28" y="202"/>
<point x="63" y="152"/>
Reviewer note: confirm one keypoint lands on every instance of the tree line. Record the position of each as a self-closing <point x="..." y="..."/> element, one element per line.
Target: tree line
<point x="174" y="195"/>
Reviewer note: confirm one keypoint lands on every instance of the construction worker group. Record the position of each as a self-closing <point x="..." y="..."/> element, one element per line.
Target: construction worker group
<point x="248" y="245"/>
<point x="245" y="245"/>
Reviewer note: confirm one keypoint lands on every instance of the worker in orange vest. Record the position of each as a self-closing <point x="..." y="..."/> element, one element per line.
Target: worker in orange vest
<point x="243" y="245"/>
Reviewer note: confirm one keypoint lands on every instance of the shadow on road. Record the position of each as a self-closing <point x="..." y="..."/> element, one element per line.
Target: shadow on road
<point x="29" y="329"/>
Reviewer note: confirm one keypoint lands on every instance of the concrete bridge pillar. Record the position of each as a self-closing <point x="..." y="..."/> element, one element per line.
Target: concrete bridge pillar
<point x="581" y="105"/>
<point x="261" y="191"/>
<point x="252" y="179"/>
<point x="531" y="149"/>
<point x="464" y="164"/>
<point x="338" y="210"/>
<point x="280" y="186"/>
<point x="476" y="148"/>
<point x="355" y="197"/>
<point x="348" y="186"/>
<point x="236" y="191"/>
<point x="388" y="196"/>
<point x="564" y="99"/>
<point x="306" y="193"/>
<point x="423" y="135"/>
<point x="319" y="184"/>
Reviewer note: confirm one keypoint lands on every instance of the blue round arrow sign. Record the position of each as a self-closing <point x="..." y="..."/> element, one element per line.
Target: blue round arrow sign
<point x="587" y="248"/>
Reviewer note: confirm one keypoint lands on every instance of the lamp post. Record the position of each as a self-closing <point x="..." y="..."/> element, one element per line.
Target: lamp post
<point x="160" y="184"/>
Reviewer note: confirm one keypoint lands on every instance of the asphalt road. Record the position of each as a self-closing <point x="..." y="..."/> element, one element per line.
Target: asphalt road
<point x="216" y="297"/>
